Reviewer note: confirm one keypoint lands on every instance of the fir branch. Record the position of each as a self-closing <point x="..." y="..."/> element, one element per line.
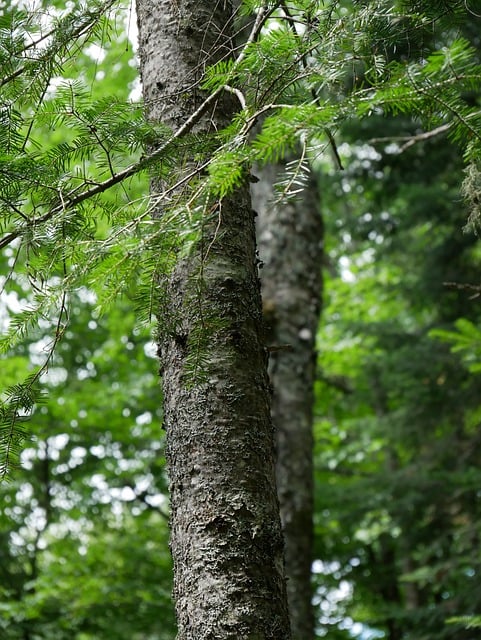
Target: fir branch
<point x="21" y="399"/>
<point x="87" y="22"/>
<point x="450" y="108"/>
<point x="468" y="622"/>
<point x="73" y="198"/>
<point x="315" y="97"/>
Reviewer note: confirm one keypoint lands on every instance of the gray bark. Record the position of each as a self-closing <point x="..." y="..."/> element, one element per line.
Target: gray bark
<point x="290" y="245"/>
<point x="226" y="539"/>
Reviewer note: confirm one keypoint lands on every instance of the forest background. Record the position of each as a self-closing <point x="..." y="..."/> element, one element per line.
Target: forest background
<point x="84" y="519"/>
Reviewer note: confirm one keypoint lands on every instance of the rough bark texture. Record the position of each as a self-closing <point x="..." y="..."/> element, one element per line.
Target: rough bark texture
<point x="290" y="245"/>
<point x="226" y="537"/>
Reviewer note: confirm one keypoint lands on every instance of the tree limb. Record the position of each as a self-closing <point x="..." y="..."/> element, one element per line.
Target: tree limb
<point x="411" y="140"/>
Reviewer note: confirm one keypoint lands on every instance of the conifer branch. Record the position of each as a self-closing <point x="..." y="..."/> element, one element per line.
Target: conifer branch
<point x="82" y="29"/>
<point x="73" y="198"/>
<point x="315" y="97"/>
<point x="434" y="95"/>
<point x="24" y="397"/>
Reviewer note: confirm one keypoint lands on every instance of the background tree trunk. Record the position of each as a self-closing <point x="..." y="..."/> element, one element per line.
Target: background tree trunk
<point x="226" y="538"/>
<point x="290" y="246"/>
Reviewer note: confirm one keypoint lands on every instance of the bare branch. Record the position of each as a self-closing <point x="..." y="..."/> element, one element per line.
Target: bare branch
<point x="466" y="286"/>
<point x="411" y="140"/>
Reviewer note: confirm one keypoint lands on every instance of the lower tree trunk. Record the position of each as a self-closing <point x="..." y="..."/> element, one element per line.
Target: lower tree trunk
<point x="226" y="540"/>
<point x="226" y="537"/>
<point x="290" y="246"/>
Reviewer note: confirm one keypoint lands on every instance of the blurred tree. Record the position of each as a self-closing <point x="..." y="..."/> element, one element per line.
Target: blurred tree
<point x="290" y="237"/>
<point x="84" y="522"/>
<point x="397" y="517"/>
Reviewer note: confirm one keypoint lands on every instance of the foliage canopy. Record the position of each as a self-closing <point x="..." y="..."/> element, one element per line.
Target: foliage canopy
<point x="70" y="208"/>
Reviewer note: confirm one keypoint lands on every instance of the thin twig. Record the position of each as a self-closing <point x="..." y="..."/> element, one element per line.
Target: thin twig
<point x="463" y="285"/>
<point x="411" y="140"/>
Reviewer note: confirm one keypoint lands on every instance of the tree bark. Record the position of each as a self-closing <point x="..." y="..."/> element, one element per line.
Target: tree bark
<point x="226" y="539"/>
<point x="290" y="246"/>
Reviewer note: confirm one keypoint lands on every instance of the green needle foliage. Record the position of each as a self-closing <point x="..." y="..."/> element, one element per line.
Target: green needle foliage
<point x="71" y="158"/>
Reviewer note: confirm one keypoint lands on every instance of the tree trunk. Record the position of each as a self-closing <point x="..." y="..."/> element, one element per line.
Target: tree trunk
<point x="290" y="245"/>
<point x="226" y="538"/>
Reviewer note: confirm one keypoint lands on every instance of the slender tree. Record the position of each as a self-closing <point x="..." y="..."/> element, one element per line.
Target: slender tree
<point x="289" y="240"/>
<point x="290" y="234"/>
<point x="226" y="539"/>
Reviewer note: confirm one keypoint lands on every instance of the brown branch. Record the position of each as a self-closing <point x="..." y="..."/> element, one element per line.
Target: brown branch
<point x="144" y="499"/>
<point x="465" y="285"/>
<point x="411" y="140"/>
